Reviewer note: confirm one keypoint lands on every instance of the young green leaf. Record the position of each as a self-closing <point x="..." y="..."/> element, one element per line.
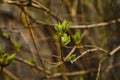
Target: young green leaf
<point x="77" y="38"/>
<point x="62" y="28"/>
<point x="11" y="58"/>
<point x="65" y="26"/>
<point x="65" y="39"/>
<point x="71" y="57"/>
<point x="16" y="46"/>
<point x="7" y="36"/>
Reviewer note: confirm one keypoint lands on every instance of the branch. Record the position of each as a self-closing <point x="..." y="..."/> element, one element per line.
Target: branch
<point x="32" y="65"/>
<point x="82" y="72"/>
<point x="114" y="50"/>
<point x="85" y="52"/>
<point x="10" y="74"/>
<point x="33" y="3"/>
<point x="97" y="24"/>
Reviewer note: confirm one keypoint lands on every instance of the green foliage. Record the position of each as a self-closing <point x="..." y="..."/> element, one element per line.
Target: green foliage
<point x="31" y="61"/>
<point x="1" y="50"/>
<point x="7" y="78"/>
<point x="77" y="38"/>
<point x="7" y="36"/>
<point x="71" y="57"/>
<point x="65" y="39"/>
<point x="81" y="78"/>
<point x="62" y="28"/>
<point x="6" y="59"/>
<point x="11" y="58"/>
<point x="16" y="46"/>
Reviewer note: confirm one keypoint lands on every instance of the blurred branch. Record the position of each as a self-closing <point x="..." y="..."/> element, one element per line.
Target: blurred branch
<point x="72" y="50"/>
<point x="33" y="3"/>
<point x="82" y="26"/>
<point x="37" y="4"/>
<point x="97" y="24"/>
<point x="32" y="65"/>
<point x="115" y="50"/>
<point x="98" y="72"/>
<point x="10" y="74"/>
<point x="73" y="73"/>
<point x="82" y="54"/>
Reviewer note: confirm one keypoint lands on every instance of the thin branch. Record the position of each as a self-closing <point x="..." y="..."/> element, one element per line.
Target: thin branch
<point x="114" y="50"/>
<point x="98" y="72"/>
<point x="8" y="73"/>
<point x="72" y="50"/>
<point x="82" y="72"/>
<point x="89" y="46"/>
<point x="37" y="4"/>
<point x="32" y="65"/>
<point x="97" y="24"/>
<point x="85" y="52"/>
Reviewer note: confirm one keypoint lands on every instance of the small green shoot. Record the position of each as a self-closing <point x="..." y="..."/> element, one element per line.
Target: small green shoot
<point x="31" y="61"/>
<point x="11" y="58"/>
<point x="16" y="47"/>
<point x="62" y="28"/>
<point x="71" y="57"/>
<point x="77" y="38"/>
<point x="6" y="35"/>
<point x="65" y="39"/>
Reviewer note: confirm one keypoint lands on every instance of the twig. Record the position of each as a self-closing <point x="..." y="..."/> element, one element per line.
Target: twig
<point x="97" y="24"/>
<point x="98" y="72"/>
<point x="82" y="72"/>
<point x="89" y="46"/>
<point x="114" y="50"/>
<point x="36" y="4"/>
<point x="32" y="65"/>
<point x="10" y="74"/>
<point x="85" y="52"/>
<point x="73" y="49"/>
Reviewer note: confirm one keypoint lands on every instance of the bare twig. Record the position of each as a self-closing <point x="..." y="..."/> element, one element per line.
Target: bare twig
<point x="85" y="52"/>
<point x="32" y="65"/>
<point x="97" y="24"/>
<point x="34" y="3"/>
<point x="73" y="49"/>
<point x="73" y="73"/>
<point x="8" y="73"/>
<point x="115" y="50"/>
<point x="98" y="72"/>
<point x="89" y="46"/>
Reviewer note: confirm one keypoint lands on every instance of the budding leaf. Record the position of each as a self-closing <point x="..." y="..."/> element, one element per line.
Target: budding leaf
<point x="7" y="36"/>
<point x="77" y="38"/>
<point x="11" y="58"/>
<point x="16" y="46"/>
<point x="65" y="39"/>
<point x="71" y="57"/>
<point x="62" y="28"/>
